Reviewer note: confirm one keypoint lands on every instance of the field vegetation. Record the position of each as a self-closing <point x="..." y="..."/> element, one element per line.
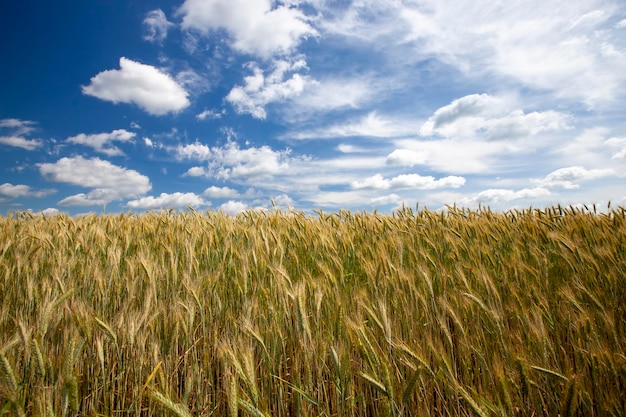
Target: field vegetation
<point x="417" y="313"/>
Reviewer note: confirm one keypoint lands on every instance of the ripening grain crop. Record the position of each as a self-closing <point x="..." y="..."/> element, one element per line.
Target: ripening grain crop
<point x="420" y="313"/>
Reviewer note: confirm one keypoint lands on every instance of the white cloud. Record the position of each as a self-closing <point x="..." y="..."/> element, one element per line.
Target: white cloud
<point x="96" y="197"/>
<point x="50" y="211"/>
<point x="233" y="207"/>
<point x="194" y="151"/>
<point x="588" y="148"/>
<point x="490" y="117"/>
<point x="155" y="26"/>
<point x="109" y="182"/>
<point x="195" y="83"/>
<point x="340" y="199"/>
<point x="371" y="125"/>
<point x="167" y="201"/>
<point x="413" y="181"/>
<point x="497" y="195"/>
<point x="17" y="130"/>
<point x="140" y="84"/>
<point x="467" y="107"/>
<point x="406" y="157"/>
<point x="567" y="177"/>
<point x="20" y="142"/>
<point x="347" y="148"/>
<point x="385" y="200"/>
<point x="283" y="201"/>
<point x="220" y="192"/>
<point x="196" y="172"/>
<point x="102" y="142"/>
<point x="18" y="127"/>
<point x="232" y="162"/>
<point x="332" y="94"/>
<point x="254" y="26"/>
<point x="260" y="90"/>
<point x="454" y="156"/>
<point x="619" y="146"/>
<point x="546" y="46"/>
<point x="16" y="191"/>
<point x="210" y="114"/>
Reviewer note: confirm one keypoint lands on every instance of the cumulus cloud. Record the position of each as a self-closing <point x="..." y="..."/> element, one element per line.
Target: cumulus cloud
<point x="10" y="191"/>
<point x="108" y="182"/>
<point x="415" y="181"/>
<point x="259" y="89"/>
<point x="283" y="201"/>
<point x="497" y="195"/>
<point x="155" y="26"/>
<point x="568" y="176"/>
<point x="233" y="162"/>
<point x="220" y="192"/>
<point x="194" y="151"/>
<point x="406" y="157"/>
<point x="102" y="142"/>
<point x="491" y="118"/>
<point x="167" y="201"/>
<point x="196" y="172"/>
<point x="463" y="108"/>
<point x="143" y="85"/>
<point x="257" y="27"/>
<point x="50" y="211"/>
<point x="230" y="161"/>
<point x="232" y="207"/>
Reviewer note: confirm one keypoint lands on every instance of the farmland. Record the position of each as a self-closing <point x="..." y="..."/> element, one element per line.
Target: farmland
<point x="416" y="313"/>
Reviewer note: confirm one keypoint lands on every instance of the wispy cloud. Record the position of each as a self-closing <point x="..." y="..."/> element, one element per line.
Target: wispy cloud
<point x="156" y="26"/>
<point x="20" y="142"/>
<point x="371" y="125"/>
<point x="18" y="129"/>
<point x="572" y="50"/>
<point x="210" y="114"/>
<point x="102" y="142"/>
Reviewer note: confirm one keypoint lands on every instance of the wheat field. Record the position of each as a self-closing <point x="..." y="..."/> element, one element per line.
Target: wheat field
<point x="415" y="313"/>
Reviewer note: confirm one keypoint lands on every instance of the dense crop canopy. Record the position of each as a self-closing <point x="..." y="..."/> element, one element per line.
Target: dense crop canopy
<point x="281" y="313"/>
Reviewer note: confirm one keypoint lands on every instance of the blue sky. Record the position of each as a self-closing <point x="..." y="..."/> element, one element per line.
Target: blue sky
<point x="232" y="104"/>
